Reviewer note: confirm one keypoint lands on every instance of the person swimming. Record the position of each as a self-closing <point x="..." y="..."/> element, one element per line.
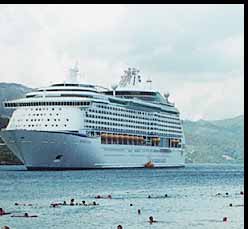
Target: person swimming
<point x="18" y="204"/>
<point x="84" y="203"/>
<point x="151" y="220"/>
<point x="103" y="197"/>
<point x="139" y="211"/>
<point x="26" y="215"/>
<point x="5" y="227"/>
<point x="157" y="197"/>
<point x="119" y="227"/>
<point x="72" y="202"/>
<point x="2" y="212"/>
<point x="54" y="205"/>
<point x="92" y="204"/>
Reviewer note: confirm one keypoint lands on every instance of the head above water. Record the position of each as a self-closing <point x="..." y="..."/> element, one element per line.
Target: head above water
<point x="119" y="227"/>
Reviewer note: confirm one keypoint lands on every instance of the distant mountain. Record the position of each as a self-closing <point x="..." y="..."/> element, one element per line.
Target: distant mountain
<point x="215" y="141"/>
<point x="206" y="141"/>
<point x="10" y="91"/>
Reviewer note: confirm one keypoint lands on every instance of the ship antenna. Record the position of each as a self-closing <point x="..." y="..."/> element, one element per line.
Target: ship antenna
<point x="73" y="73"/>
<point x="149" y="81"/>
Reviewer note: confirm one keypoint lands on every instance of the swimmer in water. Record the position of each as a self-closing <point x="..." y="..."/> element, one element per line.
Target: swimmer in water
<point x="84" y="203"/>
<point x="109" y="196"/>
<point x="119" y="227"/>
<point x="149" y="197"/>
<point x="26" y="215"/>
<point x="139" y="211"/>
<point x="151" y="220"/>
<point x="2" y="212"/>
<point x="5" y="227"/>
<point x="72" y="202"/>
<point x="93" y="204"/>
<point x="64" y="203"/>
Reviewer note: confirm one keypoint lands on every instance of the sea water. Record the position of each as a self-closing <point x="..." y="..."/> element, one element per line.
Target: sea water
<point x="192" y="200"/>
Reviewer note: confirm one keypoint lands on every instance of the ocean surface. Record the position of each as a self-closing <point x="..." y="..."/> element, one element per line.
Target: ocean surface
<point x="191" y="203"/>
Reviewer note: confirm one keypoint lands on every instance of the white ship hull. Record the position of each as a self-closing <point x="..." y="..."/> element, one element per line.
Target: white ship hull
<point x="46" y="150"/>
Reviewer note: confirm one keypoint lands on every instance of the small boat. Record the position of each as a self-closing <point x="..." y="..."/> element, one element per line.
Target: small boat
<point x="149" y="164"/>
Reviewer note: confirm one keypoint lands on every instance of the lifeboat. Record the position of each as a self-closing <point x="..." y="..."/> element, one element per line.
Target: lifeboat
<point x="115" y="136"/>
<point x="121" y="137"/>
<point x="111" y="136"/>
<point x="103" y="135"/>
<point x="149" y="164"/>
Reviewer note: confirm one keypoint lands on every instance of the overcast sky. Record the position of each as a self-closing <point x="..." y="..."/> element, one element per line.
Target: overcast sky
<point x="195" y="52"/>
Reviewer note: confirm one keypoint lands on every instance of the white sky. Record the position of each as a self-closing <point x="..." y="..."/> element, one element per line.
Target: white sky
<point x="196" y="52"/>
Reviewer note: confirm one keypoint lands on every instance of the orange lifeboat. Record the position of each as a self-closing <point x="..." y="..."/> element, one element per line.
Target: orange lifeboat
<point x="103" y="135"/>
<point x="111" y="136"/>
<point x="149" y="164"/>
<point x="121" y="136"/>
<point x="115" y="136"/>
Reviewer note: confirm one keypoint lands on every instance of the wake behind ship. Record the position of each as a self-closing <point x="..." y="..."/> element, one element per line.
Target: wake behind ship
<point x="82" y="126"/>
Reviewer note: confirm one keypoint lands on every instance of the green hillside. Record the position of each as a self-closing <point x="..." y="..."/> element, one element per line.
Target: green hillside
<point x="215" y="141"/>
<point x="10" y="91"/>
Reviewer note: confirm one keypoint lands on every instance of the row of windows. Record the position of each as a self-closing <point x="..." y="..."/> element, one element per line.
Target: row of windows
<point x="46" y="104"/>
<point x="39" y="125"/>
<point x="131" y="126"/>
<point x="144" y="122"/>
<point x="123" y="115"/>
<point x="129" y="111"/>
<point x="132" y="131"/>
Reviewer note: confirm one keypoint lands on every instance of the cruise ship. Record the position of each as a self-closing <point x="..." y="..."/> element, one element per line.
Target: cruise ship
<point x="72" y="125"/>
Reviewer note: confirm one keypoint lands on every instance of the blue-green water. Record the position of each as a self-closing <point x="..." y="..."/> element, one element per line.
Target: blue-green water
<point x="191" y="202"/>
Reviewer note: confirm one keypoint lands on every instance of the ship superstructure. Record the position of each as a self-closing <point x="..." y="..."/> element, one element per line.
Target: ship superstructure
<point x="75" y="126"/>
